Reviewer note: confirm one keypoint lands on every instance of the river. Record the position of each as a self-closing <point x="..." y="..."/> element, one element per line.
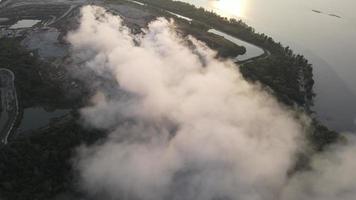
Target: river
<point x="324" y="31"/>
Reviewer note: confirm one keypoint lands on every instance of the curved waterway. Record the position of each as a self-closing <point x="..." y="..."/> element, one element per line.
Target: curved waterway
<point x="252" y="51"/>
<point x="328" y="42"/>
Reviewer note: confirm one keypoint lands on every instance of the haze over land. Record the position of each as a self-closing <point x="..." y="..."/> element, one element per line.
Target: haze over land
<point x="185" y="125"/>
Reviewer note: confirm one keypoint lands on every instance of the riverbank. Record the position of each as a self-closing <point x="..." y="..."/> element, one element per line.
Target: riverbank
<point x="319" y="39"/>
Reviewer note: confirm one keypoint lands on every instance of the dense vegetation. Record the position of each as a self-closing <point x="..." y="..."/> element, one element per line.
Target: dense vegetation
<point x="38" y="165"/>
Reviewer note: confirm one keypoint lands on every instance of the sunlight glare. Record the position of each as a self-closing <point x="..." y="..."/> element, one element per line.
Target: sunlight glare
<point x="230" y="8"/>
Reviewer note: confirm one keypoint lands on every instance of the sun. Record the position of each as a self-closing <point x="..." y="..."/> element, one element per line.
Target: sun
<point x="230" y="8"/>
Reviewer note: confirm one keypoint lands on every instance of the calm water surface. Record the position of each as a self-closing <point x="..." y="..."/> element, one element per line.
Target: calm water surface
<point x="38" y="117"/>
<point x="328" y="42"/>
<point x="252" y="51"/>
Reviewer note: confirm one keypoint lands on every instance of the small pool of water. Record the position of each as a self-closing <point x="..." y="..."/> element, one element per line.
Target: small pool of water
<point x="3" y="19"/>
<point x="136" y="2"/>
<point x="252" y="51"/>
<point x="180" y="16"/>
<point x="25" y="23"/>
<point x="34" y="118"/>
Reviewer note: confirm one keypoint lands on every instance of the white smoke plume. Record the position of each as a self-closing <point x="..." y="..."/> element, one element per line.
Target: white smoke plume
<point x="183" y="125"/>
<point x="333" y="175"/>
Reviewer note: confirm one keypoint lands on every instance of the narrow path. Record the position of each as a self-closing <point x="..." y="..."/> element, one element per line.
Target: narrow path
<point x="9" y="104"/>
<point x="64" y="15"/>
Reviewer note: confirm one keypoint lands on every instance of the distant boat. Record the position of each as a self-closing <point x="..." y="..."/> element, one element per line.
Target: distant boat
<point x="333" y="15"/>
<point x="317" y="11"/>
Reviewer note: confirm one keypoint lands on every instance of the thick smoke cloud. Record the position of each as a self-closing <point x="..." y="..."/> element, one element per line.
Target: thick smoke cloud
<point x="184" y="125"/>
